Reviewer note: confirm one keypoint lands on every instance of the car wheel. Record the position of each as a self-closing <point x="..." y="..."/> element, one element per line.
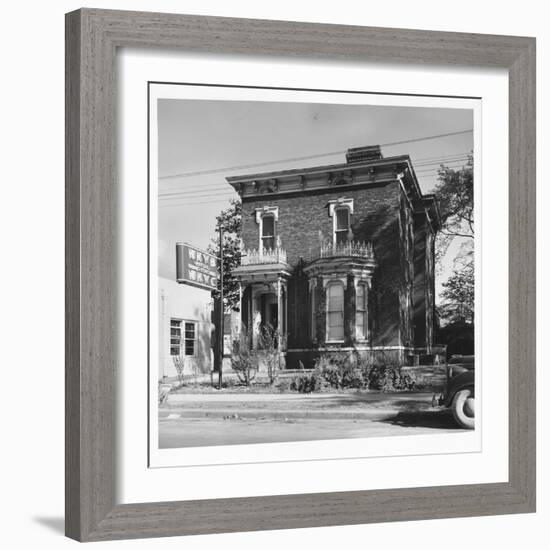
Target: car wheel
<point x="464" y="408"/>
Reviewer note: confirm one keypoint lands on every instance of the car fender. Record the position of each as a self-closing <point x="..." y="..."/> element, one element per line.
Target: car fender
<point x="460" y="382"/>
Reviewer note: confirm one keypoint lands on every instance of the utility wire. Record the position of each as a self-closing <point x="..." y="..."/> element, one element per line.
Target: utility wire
<point x="209" y="191"/>
<point x="424" y="168"/>
<point x="417" y="162"/>
<point x="211" y="198"/>
<point x="307" y="157"/>
<point x="231" y="193"/>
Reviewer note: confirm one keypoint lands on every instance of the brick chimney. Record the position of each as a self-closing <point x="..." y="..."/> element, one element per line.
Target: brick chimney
<point x="362" y="154"/>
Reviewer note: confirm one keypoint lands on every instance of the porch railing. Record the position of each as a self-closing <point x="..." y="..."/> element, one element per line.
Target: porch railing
<point x="256" y="257"/>
<point x="348" y="249"/>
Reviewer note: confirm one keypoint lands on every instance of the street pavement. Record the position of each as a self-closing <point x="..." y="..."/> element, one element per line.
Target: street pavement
<point x="190" y="420"/>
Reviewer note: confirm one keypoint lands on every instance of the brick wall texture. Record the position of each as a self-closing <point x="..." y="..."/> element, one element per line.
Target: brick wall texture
<point x="402" y="284"/>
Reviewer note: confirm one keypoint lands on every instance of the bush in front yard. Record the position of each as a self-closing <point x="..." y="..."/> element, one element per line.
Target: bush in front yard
<point x="338" y="371"/>
<point x="243" y="360"/>
<point x="270" y="342"/>
<point x="308" y="383"/>
<point x="354" y="377"/>
<point x="390" y="378"/>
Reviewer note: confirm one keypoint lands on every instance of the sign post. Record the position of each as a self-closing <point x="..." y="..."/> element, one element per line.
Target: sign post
<point x="221" y="316"/>
<point x="200" y="269"/>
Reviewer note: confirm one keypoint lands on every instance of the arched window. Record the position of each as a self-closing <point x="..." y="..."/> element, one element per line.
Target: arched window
<point x="335" y="312"/>
<point x="268" y="232"/>
<point x="361" y="312"/>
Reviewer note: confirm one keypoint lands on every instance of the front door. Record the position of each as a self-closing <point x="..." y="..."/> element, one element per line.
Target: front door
<point x="273" y="315"/>
<point x="269" y="311"/>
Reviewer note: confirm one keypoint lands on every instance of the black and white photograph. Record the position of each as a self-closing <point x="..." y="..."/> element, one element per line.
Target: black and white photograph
<point x="314" y="275"/>
<point x="276" y="263"/>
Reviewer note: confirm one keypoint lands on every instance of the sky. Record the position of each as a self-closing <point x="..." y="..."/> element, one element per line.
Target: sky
<point x="225" y="136"/>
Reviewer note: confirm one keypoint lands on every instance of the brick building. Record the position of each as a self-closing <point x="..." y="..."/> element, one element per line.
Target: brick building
<point x="340" y="258"/>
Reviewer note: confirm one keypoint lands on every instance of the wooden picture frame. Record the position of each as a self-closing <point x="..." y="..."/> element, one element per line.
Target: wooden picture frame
<point x="92" y="39"/>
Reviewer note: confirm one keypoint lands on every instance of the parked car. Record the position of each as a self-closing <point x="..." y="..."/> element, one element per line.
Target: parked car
<point x="459" y="391"/>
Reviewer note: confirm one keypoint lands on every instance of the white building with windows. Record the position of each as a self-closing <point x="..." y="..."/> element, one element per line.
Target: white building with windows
<point x="185" y="329"/>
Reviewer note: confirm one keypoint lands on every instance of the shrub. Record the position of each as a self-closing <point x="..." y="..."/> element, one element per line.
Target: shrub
<point x="351" y="372"/>
<point x="179" y="366"/>
<point x="269" y="342"/>
<point x="341" y="371"/>
<point x="243" y="360"/>
<point x="308" y="383"/>
<point x="284" y="384"/>
<point x="390" y="378"/>
<point x="354" y="377"/>
<point x="332" y="374"/>
<point x="300" y="383"/>
<point x="163" y="391"/>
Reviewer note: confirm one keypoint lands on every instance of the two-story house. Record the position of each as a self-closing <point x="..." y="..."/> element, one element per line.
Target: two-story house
<point x="340" y="258"/>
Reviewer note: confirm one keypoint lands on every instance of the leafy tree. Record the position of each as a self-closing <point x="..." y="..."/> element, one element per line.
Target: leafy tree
<point x="455" y="197"/>
<point x="458" y="295"/>
<point x="230" y="220"/>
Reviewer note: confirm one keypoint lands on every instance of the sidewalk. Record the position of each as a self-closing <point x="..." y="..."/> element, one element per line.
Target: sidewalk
<point x="188" y="420"/>
<point x="368" y="405"/>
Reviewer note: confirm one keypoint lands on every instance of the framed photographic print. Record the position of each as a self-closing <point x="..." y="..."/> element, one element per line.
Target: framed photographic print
<point x="300" y="275"/>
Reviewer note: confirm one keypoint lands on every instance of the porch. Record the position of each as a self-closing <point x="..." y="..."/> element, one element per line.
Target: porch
<point x="263" y="295"/>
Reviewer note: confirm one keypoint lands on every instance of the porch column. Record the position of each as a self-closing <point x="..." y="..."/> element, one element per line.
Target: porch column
<point x="279" y="307"/>
<point x="241" y="308"/>
<point x="286" y="315"/>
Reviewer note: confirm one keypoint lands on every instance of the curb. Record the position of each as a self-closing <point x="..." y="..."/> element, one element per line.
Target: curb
<point x="258" y="414"/>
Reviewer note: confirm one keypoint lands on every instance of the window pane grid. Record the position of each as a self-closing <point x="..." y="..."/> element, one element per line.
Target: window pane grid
<point x="182" y="337"/>
<point x="175" y="336"/>
<point x="189" y="347"/>
<point x="190" y="333"/>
